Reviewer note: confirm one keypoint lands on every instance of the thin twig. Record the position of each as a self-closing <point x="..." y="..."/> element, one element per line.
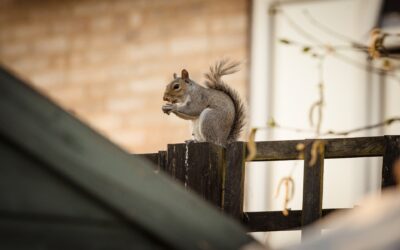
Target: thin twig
<point x="384" y="123"/>
<point x="331" y="32"/>
<point x="299" y="29"/>
<point x="342" y="57"/>
<point x="358" y="47"/>
<point x="322" y="46"/>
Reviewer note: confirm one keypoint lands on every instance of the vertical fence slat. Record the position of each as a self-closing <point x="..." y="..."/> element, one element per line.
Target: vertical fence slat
<point x="204" y="171"/>
<point x="312" y="184"/>
<point x="153" y="158"/>
<point x="392" y="153"/>
<point x="162" y="160"/>
<point x="233" y="179"/>
<point x="176" y="161"/>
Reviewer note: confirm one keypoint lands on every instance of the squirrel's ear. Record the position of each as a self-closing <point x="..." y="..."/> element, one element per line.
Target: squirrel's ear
<point x="175" y="76"/>
<point x="185" y="74"/>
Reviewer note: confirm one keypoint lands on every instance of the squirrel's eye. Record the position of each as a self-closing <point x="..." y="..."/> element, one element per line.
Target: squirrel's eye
<point x="176" y="86"/>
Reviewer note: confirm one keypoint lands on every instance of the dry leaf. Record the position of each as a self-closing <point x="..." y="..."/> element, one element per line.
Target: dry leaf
<point x="284" y="41"/>
<point x="387" y="65"/>
<point x="376" y="40"/>
<point x="300" y="147"/>
<point x="317" y="149"/>
<point x="271" y="123"/>
<point x="289" y="192"/>
<point x="329" y="49"/>
<point x="306" y="49"/>
<point x="251" y="145"/>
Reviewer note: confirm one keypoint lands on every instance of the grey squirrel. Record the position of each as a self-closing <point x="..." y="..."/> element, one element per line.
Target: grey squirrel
<point x="216" y="112"/>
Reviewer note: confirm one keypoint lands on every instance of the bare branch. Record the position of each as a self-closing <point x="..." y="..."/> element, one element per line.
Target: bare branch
<point x="384" y="123"/>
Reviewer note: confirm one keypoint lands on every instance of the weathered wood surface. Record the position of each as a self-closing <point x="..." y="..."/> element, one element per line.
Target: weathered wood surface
<point x="271" y="221"/>
<point x="175" y="167"/>
<point x="233" y="180"/>
<point x="159" y="159"/>
<point x="199" y="167"/>
<point x="276" y="221"/>
<point x="162" y="160"/>
<point x="153" y="158"/>
<point x="313" y="180"/>
<point x="334" y="148"/>
<point x="122" y="184"/>
<point x="391" y="155"/>
<point x="203" y="173"/>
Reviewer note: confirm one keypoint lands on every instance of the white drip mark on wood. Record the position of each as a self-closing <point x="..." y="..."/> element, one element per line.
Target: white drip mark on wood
<point x="186" y="163"/>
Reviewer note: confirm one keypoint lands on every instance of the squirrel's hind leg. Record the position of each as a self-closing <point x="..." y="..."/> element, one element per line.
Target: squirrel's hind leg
<point x="213" y="127"/>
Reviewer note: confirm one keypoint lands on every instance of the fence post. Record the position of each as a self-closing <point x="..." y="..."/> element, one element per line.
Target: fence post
<point x="199" y="167"/>
<point x="391" y="155"/>
<point x="233" y="179"/>
<point x="312" y="183"/>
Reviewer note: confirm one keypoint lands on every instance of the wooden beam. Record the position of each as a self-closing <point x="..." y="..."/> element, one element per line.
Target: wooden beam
<point x="334" y="148"/>
<point x="392" y="154"/>
<point x="119" y="182"/>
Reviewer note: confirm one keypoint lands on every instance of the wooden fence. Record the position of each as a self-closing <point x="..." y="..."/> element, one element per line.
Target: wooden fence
<point x="217" y="174"/>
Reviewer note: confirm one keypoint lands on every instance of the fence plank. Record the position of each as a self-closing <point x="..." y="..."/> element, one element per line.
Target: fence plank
<point x="392" y="154"/>
<point x="334" y="148"/>
<point x="233" y="180"/>
<point x="159" y="159"/>
<point x="276" y="221"/>
<point x="176" y="161"/>
<point x="312" y="183"/>
<point x="354" y="147"/>
<point x="203" y="171"/>
<point x="153" y="158"/>
<point x="162" y="160"/>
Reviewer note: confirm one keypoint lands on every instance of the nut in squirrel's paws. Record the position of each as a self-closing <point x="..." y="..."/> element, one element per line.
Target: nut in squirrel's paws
<point x="167" y="108"/>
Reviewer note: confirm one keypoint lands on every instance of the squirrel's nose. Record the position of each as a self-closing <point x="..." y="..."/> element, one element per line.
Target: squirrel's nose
<point x="165" y="98"/>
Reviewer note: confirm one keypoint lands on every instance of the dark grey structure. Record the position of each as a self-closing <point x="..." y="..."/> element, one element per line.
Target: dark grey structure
<point x="63" y="186"/>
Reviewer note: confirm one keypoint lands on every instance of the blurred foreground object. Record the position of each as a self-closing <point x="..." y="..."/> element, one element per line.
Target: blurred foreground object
<point x="63" y="186"/>
<point x="373" y="225"/>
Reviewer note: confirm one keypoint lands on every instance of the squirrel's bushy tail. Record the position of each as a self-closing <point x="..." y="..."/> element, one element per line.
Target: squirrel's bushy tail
<point x="214" y="81"/>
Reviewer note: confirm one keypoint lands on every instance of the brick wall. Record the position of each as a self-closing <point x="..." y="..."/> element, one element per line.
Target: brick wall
<point x="109" y="61"/>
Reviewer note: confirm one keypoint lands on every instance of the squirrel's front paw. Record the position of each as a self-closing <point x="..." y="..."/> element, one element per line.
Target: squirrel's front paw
<point x="167" y="108"/>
